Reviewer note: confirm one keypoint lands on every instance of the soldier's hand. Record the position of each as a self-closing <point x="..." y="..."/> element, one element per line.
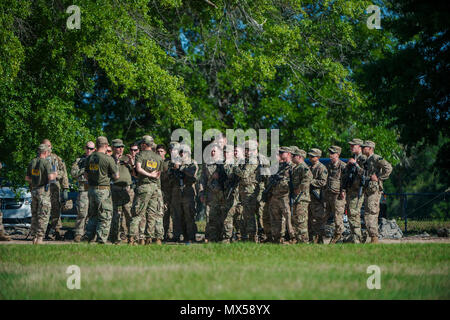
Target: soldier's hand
<point x="215" y="175"/>
<point x="176" y="165"/>
<point x="351" y="160"/>
<point x="342" y="195"/>
<point x="374" y="177"/>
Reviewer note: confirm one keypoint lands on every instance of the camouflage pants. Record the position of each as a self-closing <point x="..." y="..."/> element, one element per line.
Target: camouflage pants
<point x="237" y="220"/>
<point x="100" y="214"/>
<point x="122" y="199"/>
<point x="371" y="211"/>
<point x="318" y="217"/>
<point x="40" y="211"/>
<point x="337" y="207"/>
<point x="167" y="217"/>
<point x="354" y="214"/>
<point x="217" y="212"/>
<point x="231" y="219"/>
<point x="55" y="213"/>
<point x="300" y="221"/>
<point x="82" y="212"/>
<point x="249" y="216"/>
<point x="279" y="211"/>
<point x="183" y="208"/>
<point x="147" y="203"/>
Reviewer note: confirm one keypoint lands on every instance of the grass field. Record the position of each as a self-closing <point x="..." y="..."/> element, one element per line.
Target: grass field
<point x="235" y="271"/>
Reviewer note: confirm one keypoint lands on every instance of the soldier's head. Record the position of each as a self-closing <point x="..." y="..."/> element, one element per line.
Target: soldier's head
<point x="335" y="152"/>
<point x="43" y="151"/>
<point x="228" y="153"/>
<point x="134" y="149"/>
<point x="368" y="147"/>
<point x="251" y="148"/>
<point x="102" y="144"/>
<point x="221" y="141"/>
<point x="298" y="155"/>
<point x="314" y="155"/>
<point x="118" y="146"/>
<point x="355" y="145"/>
<point x="161" y="150"/>
<point x="48" y="144"/>
<point x="285" y="154"/>
<point x="89" y="148"/>
<point x="147" y="143"/>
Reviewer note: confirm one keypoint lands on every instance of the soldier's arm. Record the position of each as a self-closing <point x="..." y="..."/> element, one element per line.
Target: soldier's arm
<point x="113" y="169"/>
<point x="63" y="174"/>
<point x="384" y="169"/>
<point x="76" y="171"/>
<point x="321" y="180"/>
<point x="28" y="176"/>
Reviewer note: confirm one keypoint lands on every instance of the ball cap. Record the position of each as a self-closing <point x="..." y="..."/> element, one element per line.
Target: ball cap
<point x="355" y="141"/>
<point x="314" y="153"/>
<point x="43" y="148"/>
<point x="285" y="149"/>
<point x="335" y="149"/>
<point x="101" y="140"/>
<point x="368" y="143"/>
<point x="117" y="143"/>
<point x="148" y="140"/>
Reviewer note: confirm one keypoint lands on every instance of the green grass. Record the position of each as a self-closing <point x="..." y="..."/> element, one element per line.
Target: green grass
<point x="236" y="271"/>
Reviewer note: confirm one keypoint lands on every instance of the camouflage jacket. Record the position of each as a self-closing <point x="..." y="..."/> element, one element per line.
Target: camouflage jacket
<point x="189" y="172"/>
<point x="60" y="167"/>
<point x="301" y="179"/>
<point x="335" y="174"/>
<point x="375" y="164"/>
<point x="281" y="189"/>
<point x="77" y="170"/>
<point x="212" y="187"/>
<point x="360" y="162"/>
<point x="320" y="174"/>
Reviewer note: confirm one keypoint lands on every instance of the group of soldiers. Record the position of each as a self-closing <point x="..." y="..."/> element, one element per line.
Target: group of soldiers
<point x="144" y="196"/>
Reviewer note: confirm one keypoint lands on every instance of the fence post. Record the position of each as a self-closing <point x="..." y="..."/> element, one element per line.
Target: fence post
<point x="405" y="214"/>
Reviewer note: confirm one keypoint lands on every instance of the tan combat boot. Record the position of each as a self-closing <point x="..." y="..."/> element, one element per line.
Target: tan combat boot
<point x="148" y="241"/>
<point x="39" y="240"/>
<point x="374" y="239"/>
<point x="335" y="238"/>
<point x="142" y="242"/>
<point x="315" y="239"/>
<point x="158" y="242"/>
<point x="132" y="242"/>
<point x="4" y="236"/>
<point x="77" y="238"/>
<point x="226" y="241"/>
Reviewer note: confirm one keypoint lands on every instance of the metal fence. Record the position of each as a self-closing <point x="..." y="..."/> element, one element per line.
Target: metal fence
<point x="411" y="204"/>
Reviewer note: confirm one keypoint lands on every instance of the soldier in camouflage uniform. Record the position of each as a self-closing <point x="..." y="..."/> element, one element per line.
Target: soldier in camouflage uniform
<point x="99" y="168"/>
<point x="377" y="170"/>
<point x="317" y="213"/>
<point x="212" y="193"/>
<point x="301" y="180"/>
<point x="334" y="204"/>
<point x="148" y="196"/>
<point x="166" y="191"/>
<point x="250" y="187"/>
<point x="183" y="178"/>
<point x="3" y="235"/>
<point x="263" y="211"/>
<point x="350" y="188"/>
<point x="278" y="201"/>
<point x="121" y="191"/>
<point x="40" y="175"/>
<point x="231" y="194"/>
<point x="77" y="172"/>
<point x="58" y="192"/>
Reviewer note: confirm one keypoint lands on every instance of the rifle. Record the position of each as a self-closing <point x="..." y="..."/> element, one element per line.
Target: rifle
<point x="316" y="194"/>
<point x="273" y="181"/>
<point x="364" y="181"/>
<point x="180" y="176"/>
<point x="350" y="177"/>
<point x="234" y="183"/>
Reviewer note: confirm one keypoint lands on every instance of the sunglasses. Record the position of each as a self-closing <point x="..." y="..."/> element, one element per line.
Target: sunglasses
<point x="89" y="148"/>
<point x="109" y="151"/>
<point x="134" y="150"/>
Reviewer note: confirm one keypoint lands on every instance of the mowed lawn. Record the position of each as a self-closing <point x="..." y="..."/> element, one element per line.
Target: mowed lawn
<point x="235" y="271"/>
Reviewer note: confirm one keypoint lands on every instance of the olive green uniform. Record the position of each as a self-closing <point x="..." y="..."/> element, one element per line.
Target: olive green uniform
<point x="301" y="180"/>
<point x="122" y="197"/>
<point x="375" y="164"/>
<point x="352" y="203"/>
<point x="334" y="205"/>
<point x="39" y="170"/>
<point x="166" y="192"/>
<point x="77" y="172"/>
<point x="99" y="168"/>
<point x="147" y="199"/>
